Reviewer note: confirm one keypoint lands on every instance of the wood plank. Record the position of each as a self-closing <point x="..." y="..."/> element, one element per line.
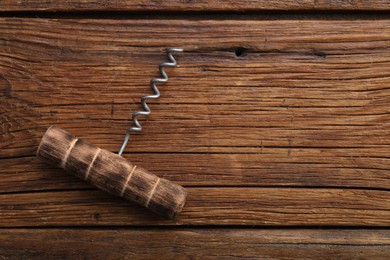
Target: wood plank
<point x="305" y="105"/>
<point x="205" y="206"/>
<point x="176" y="5"/>
<point x="271" y="168"/>
<point x="194" y="243"/>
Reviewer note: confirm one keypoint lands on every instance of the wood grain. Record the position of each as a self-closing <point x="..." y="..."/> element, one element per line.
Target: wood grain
<point x="266" y="103"/>
<point x="268" y="123"/>
<point x="194" y="244"/>
<point x="205" y="206"/>
<point x="176" y="5"/>
<point x="306" y="104"/>
<point x="271" y="168"/>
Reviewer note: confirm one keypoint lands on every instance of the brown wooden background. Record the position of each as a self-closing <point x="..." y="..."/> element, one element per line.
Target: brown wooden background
<point x="276" y="120"/>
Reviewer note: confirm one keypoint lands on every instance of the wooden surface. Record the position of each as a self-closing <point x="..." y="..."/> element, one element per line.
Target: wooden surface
<point x="194" y="243"/>
<point x="276" y="128"/>
<point x="204" y="5"/>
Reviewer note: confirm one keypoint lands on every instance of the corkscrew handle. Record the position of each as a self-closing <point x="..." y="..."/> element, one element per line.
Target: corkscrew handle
<point x="111" y="172"/>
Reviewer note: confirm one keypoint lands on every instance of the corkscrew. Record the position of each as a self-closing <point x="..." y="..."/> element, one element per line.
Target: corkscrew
<point x="156" y="95"/>
<point x="111" y="172"/>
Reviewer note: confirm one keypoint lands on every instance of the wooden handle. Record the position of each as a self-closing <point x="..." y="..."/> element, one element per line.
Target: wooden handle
<point x="111" y="172"/>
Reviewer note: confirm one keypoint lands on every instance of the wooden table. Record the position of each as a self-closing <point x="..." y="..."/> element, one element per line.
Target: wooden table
<point x="276" y="121"/>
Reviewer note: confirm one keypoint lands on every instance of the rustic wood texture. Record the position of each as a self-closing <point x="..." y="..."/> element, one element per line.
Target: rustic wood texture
<point x="194" y="244"/>
<point x="266" y="123"/>
<point x="204" y="5"/>
<point x="306" y="106"/>
<point x="204" y="206"/>
<point x="111" y="172"/>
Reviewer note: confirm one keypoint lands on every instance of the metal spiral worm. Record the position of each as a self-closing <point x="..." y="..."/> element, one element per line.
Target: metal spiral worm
<point x="156" y="95"/>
